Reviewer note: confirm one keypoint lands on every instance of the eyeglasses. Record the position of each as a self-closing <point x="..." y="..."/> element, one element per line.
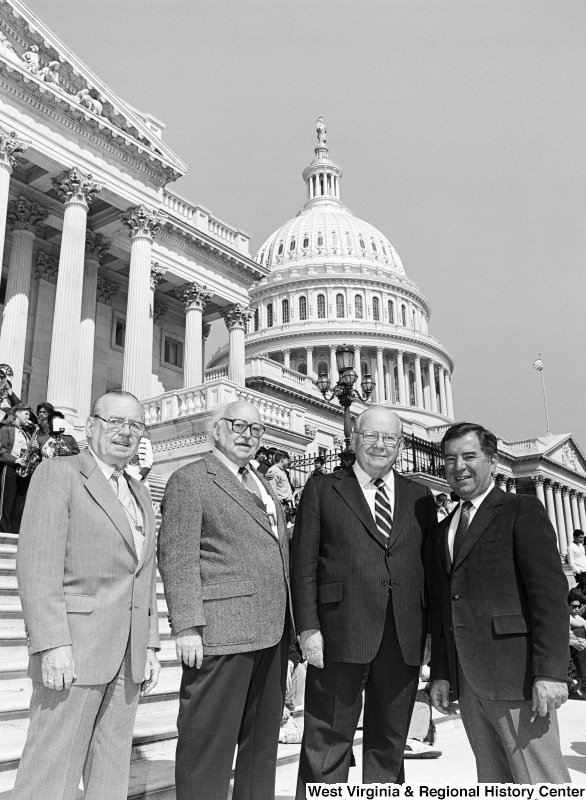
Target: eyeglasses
<point x="389" y="439"/>
<point x="116" y="423"/>
<point x="241" y="426"/>
<point x="575" y="607"/>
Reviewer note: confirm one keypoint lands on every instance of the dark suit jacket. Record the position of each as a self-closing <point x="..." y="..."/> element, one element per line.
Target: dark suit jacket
<point x="342" y="567"/>
<point x="7" y="434"/>
<point x="222" y="568"/>
<point x="503" y="605"/>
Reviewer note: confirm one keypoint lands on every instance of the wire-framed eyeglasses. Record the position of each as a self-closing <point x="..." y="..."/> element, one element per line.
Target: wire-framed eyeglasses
<point x="241" y="426"/>
<point x="372" y="437"/>
<point x="116" y="423"/>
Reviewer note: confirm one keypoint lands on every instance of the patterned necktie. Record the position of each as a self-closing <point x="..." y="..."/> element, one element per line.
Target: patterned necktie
<point x="125" y="497"/>
<point x="383" y="515"/>
<point x="463" y="523"/>
<point x="250" y="484"/>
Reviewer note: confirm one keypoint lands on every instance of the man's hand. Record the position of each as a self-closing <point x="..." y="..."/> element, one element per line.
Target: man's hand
<point x="58" y="668"/>
<point x="312" y="647"/>
<point x="152" y="669"/>
<point x="440" y="696"/>
<point x="547" y="695"/>
<point x="189" y="646"/>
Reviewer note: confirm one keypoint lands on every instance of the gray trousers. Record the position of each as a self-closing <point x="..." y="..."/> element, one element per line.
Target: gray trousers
<point x="88" y="730"/>
<point x="508" y="747"/>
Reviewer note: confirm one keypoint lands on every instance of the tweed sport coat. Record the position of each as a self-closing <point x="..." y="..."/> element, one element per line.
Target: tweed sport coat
<point x="342" y="567"/>
<point x="221" y="565"/>
<point x="503" y="604"/>
<point x="79" y="578"/>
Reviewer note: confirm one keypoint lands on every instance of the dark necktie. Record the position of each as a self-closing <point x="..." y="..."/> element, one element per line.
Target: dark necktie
<point x="127" y="501"/>
<point x="383" y="515"/>
<point x="250" y="484"/>
<point x="463" y="523"/>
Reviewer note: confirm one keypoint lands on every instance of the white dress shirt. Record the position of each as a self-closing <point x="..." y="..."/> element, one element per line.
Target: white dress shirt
<point x="107" y="471"/>
<point x="265" y="496"/>
<point x="476" y="501"/>
<point x="366" y="483"/>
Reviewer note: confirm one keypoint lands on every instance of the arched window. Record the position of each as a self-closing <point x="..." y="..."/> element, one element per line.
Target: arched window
<point x="322" y="368"/>
<point x="305" y="242"/>
<point x="391" y="312"/>
<point x="375" y="308"/>
<point x="358" y="307"/>
<point x="285" y="311"/>
<point x="303" y="308"/>
<point x="361" y="243"/>
<point x="348" y="240"/>
<point x="384" y="250"/>
<point x="302" y="368"/>
<point x="413" y="319"/>
<point x="340" y="305"/>
<point x="270" y="315"/>
<point x="256" y="319"/>
<point x="321" y="306"/>
<point x="404" y="316"/>
<point x="411" y="388"/>
<point x="334" y="239"/>
<point x="280" y="250"/>
<point x="373" y="243"/>
<point x="320" y="240"/>
<point x="292" y="245"/>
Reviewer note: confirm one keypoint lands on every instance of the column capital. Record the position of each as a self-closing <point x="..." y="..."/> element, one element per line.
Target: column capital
<point x="511" y="482"/>
<point x="401" y="353"/>
<point x="565" y="491"/>
<point x="236" y="316"/>
<point x="309" y="348"/>
<point x="143" y="222"/>
<point x="10" y="146"/>
<point x="106" y="291"/>
<point x="159" y="309"/>
<point x="96" y="246"/>
<point x="573" y="492"/>
<point x="24" y="215"/>
<point x="286" y="351"/>
<point x="205" y="330"/>
<point x="380" y="349"/>
<point x="73" y="186"/>
<point x="417" y="357"/>
<point x="538" y="479"/>
<point x="47" y="267"/>
<point x="333" y="348"/>
<point x="557" y="487"/>
<point x="192" y="295"/>
<point x="157" y="273"/>
<point x="440" y="368"/>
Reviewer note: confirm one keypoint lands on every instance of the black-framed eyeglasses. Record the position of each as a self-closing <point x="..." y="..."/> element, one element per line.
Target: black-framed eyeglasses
<point x="241" y="426"/>
<point x="575" y="607"/>
<point x="116" y="423"/>
<point x="372" y="437"/>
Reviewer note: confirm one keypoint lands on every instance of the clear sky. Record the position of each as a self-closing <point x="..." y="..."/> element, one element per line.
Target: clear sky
<point x="459" y="125"/>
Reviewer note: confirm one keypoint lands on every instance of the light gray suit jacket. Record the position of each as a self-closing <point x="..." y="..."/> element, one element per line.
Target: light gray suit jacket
<point x="221" y="565"/>
<point x="79" y="578"/>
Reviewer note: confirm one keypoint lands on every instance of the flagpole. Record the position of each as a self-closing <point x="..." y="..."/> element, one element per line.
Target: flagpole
<point x="544" y="397"/>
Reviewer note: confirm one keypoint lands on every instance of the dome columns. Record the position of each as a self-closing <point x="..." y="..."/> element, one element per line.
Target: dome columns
<point x="418" y="382"/>
<point x="380" y="376"/>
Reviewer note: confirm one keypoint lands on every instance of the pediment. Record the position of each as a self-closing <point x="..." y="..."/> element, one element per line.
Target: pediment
<point x="569" y="455"/>
<point x="32" y="54"/>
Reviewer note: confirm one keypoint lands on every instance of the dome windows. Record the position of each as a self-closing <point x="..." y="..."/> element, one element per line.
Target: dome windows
<point x="270" y="320"/>
<point x="358" y="307"/>
<point x="340" y="306"/>
<point x="285" y="311"/>
<point x="280" y="250"/>
<point x="373" y="245"/>
<point x="383" y="249"/>
<point x="404" y="316"/>
<point x="361" y="243"/>
<point x="321" y="306"/>
<point x="334" y="239"/>
<point x="256" y="320"/>
<point x="376" y="308"/>
<point x="302" y="308"/>
<point x="305" y="242"/>
<point x="292" y="245"/>
<point x="320" y="239"/>
<point x="391" y="312"/>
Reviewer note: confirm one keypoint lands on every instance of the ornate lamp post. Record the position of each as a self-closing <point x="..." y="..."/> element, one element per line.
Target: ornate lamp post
<point x="344" y="389"/>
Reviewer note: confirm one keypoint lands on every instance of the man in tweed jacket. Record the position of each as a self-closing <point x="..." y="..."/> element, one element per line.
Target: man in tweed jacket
<point x="224" y="560"/>
<point x="360" y="602"/>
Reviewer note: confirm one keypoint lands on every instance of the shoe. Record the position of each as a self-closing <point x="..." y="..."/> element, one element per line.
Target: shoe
<point x="576" y="695"/>
<point x="416" y="749"/>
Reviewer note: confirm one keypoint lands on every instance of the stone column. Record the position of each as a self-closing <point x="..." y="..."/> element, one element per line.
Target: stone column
<point x="309" y="357"/>
<point x="95" y="249"/>
<point x="442" y="391"/>
<point x="77" y="191"/>
<point x="568" y="515"/>
<point x="380" y="376"/>
<point x="23" y="218"/>
<point x="582" y="510"/>
<point x="449" y="398"/>
<point x="333" y="365"/>
<point x="393" y="390"/>
<point x="143" y="225"/>
<point x="559" y="515"/>
<point x="512" y="486"/>
<point x="432" y="394"/>
<point x="357" y="367"/>
<point x="10" y="147"/>
<point x="157" y="309"/>
<point x="287" y="358"/>
<point x="205" y="332"/>
<point x="401" y="378"/>
<point x="501" y="481"/>
<point x="549" y="504"/>
<point x="538" y="481"/>
<point x="575" y="511"/>
<point x="418" y="382"/>
<point x="195" y="298"/>
<point x="236" y="318"/>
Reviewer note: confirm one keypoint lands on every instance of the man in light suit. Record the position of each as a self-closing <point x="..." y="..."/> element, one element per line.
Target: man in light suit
<point x="224" y="560"/>
<point x="359" y="598"/>
<point x="500" y="618"/>
<point x="86" y="576"/>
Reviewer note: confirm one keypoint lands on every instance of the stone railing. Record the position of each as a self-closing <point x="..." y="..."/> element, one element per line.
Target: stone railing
<point x="263" y="367"/>
<point x="345" y="324"/>
<point x="203" y="220"/>
<point x="213" y="394"/>
<point x="216" y="373"/>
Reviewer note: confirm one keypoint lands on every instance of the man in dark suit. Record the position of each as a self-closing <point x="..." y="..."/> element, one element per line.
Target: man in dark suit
<point x="359" y="599"/>
<point x="500" y="619"/>
<point x="224" y="560"/>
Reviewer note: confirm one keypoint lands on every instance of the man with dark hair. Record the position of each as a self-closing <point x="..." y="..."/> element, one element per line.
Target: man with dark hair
<point x="279" y="477"/>
<point x="267" y="463"/>
<point x="577" y="557"/>
<point x="319" y="464"/>
<point x="56" y="442"/>
<point x="499" y="618"/>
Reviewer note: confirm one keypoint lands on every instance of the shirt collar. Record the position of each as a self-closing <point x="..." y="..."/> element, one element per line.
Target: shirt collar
<point x="364" y="478"/>
<point x="226" y="461"/>
<point x="106" y="469"/>
<point x="476" y="501"/>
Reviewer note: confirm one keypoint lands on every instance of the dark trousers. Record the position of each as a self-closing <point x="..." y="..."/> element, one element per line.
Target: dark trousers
<point x="333" y="701"/>
<point x="13" y="491"/>
<point x="231" y="700"/>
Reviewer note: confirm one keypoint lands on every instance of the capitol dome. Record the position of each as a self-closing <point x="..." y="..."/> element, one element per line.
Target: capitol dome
<point x="336" y="280"/>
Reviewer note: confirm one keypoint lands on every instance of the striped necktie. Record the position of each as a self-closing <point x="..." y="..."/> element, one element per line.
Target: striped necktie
<point x="463" y="523"/>
<point x="383" y="515"/>
<point x="250" y="484"/>
<point x="127" y="501"/>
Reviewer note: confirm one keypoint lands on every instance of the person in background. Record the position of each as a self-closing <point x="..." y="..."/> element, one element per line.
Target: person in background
<point x="259" y="460"/>
<point x="442" y="505"/>
<point x="577" y="557"/>
<point x="44" y="411"/>
<point x="577" y="648"/>
<point x="57" y="442"/>
<point x="267" y="462"/>
<point x="7" y="397"/>
<point x="280" y="479"/>
<point x="319" y="464"/>
<point x="18" y="456"/>
<point x="141" y="463"/>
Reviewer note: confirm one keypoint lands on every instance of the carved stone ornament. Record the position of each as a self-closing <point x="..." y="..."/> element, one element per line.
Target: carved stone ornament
<point x="73" y="185"/>
<point x="50" y="74"/>
<point x="157" y="273"/>
<point x="47" y="267"/>
<point x="8" y="52"/>
<point x="311" y="432"/>
<point x="84" y="98"/>
<point x="96" y="246"/>
<point x="205" y="330"/>
<point x="30" y="59"/>
<point x="106" y="291"/>
<point x="143" y="222"/>
<point x="159" y="309"/>
<point x="24" y="215"/>
<point x="569" y="457"/>
<point x="193" y="296"/>
<point x="236" y="316"/>
<point x="10" y="147"/>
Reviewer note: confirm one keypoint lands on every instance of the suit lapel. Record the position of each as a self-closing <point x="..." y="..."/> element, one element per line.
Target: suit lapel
<point x="281" y="522"/>
<point x="142" y="497"/>
<point x="442" y="533"/>
<point x="349" y="489"/>
<point x="402" y="510"/>
<point x="232" y="486"/>
<point x="482" y="519"/>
